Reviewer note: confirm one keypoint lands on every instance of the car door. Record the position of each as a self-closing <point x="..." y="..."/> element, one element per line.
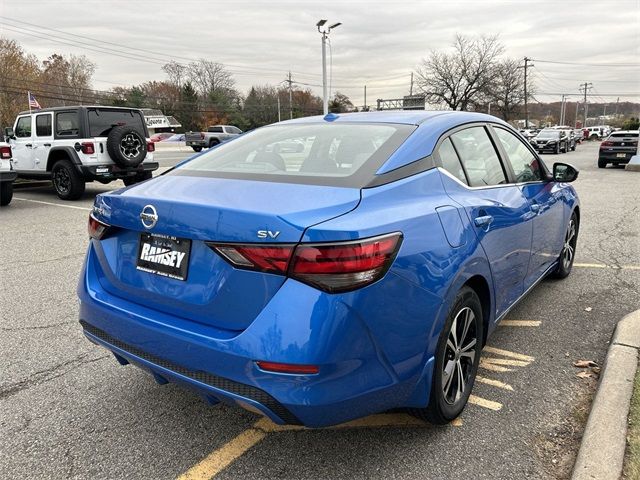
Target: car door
<point x="544" y="197"/>
<point x="22" y="144"/>
<point x="42" y="140"/>
<point x="498" y="210"/>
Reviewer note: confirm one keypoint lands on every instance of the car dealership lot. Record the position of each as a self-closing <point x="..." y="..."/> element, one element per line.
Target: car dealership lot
<point x="69" y="410"/>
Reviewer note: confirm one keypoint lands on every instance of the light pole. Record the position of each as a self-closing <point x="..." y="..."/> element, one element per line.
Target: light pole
<point x="325" y="33"/>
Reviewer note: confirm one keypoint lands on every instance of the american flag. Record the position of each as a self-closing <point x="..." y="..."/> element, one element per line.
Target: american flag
<point x="33" y="103"/>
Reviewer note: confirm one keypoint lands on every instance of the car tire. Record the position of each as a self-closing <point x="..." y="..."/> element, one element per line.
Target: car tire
<point x="557" y="150"/>
<point x="6" y="193"/>
<point x="459" y="357"/>
<point x="67" y="181"/>
<point x="197" y="149"/>
<point x="213" y="143"/>
<point x="602" y="163"/>
<point x="126" y="146"/>
<point x="139" y="177"/>
<point x="568" y="253"/>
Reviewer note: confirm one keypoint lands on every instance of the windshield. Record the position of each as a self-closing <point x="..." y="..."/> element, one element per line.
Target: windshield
<point x="549" y="134"/>
<point x="319" y="153"/>
<point x="101" y="120"/>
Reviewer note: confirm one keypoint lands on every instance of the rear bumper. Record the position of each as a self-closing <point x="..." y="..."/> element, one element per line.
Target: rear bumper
<point x="300" y="325"/>
<point x="7" y="176"/>
<point x="613" y="157"/>
<point x="112" y="172"/>
<point x="197" y="143"/>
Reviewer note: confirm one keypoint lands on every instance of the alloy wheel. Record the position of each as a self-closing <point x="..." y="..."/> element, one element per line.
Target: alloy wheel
<point x="459" y="355"/>
<point x="130" y="145"/>
<point x="62" y="181"/>
<point x="569" y="245"/>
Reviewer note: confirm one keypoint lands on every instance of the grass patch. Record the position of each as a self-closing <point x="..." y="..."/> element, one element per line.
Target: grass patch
<point x="632" y="456"/>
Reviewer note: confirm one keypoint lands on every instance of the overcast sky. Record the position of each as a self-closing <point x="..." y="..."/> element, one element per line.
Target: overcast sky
<point x="378" y="44"/>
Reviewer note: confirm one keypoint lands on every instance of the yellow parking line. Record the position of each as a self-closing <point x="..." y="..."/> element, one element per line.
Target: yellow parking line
<point x="224" y="456"/>
<point x="483" y="402"/>
<point x="494" y="383"/>
<point x="603" y="265"/>
<point x="519" y="323"/>
<point x="507" y="353"/>
<point x="505" y="361"/>
<point x="493" y="368"/>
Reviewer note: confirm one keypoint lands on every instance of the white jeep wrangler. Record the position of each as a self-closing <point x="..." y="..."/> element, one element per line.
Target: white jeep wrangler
<point x="7" y="175"/>
<point x="74" y="145"/>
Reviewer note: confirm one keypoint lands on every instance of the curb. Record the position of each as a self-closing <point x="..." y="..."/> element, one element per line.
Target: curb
<point x="604" y="441"/>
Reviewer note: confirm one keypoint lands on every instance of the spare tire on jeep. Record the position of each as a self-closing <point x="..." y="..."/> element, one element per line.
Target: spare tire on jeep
<point x="127" y="147"/>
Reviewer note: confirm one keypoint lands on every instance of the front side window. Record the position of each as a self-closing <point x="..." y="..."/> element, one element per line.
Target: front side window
<point x="67" y="124"/>
<point x="23" y="127"/>
<point x="525" y="165"/>
<point x="479" y="157"/>
<point x="43" y="125"/>
<point x="304" y="152"/>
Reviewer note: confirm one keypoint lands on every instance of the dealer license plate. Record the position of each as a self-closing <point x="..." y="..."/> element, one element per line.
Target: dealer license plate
<point x="164" y="255"/>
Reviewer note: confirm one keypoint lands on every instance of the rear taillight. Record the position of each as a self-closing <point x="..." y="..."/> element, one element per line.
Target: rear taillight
<point x="97" y="229"/>
<point x="331" y="267"/>
<point x="88" y="148"/>
<point x="5" y="152"/>
<point x="151" y="147"/>
<point x="606" y="143"/>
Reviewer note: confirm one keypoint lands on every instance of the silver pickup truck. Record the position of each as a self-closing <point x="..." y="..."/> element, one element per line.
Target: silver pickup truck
<point x="213" y="136"/>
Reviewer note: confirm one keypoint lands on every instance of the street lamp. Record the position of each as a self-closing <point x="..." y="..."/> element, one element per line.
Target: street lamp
<point x="325" y="33"/>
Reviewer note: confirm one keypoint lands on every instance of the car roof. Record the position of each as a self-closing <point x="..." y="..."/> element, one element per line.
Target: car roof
<point x="624" y="132"/>
<point x="408" y="117"/>
<point x="74" y="107"/>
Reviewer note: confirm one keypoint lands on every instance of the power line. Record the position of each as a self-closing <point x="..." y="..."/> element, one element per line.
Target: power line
<point x="587" y="64"/>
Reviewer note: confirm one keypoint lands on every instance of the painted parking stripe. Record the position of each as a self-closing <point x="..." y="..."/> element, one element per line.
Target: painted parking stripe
<point x="604" y="265"/>
<point x="507" y="353"/>
<point x="505" y="361"/>
<point x="493" y="368"/>
<point x="519" y="323"/>
<point x="494" y="383"/>
<point x="224" y="456"/>
<point x="484" y="403"/>
<point x="52" y="203"/>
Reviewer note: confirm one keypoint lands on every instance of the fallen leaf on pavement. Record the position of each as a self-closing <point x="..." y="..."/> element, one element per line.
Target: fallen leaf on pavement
<point x="588" y="309"/>
<point x="585" y="364"/>
<point x="584" y="374"/>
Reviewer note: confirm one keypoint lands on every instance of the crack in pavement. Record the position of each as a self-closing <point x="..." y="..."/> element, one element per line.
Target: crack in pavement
<point x="38" y="327"/>
<point x="25" y="263"/>
<point x="48" y="374"/>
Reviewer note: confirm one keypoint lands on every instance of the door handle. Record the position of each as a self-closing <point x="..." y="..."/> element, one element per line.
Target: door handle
<point x="28" y="145"/>
<point x="483" y="221"/>
<point x="535" y="207"/>
<point x="47" y="144"/>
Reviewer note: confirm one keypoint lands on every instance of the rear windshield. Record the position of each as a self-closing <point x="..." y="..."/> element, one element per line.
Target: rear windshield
<point x="318" y="153"/>
<point x="625" y="135"/>
<point x="102" y="120"/>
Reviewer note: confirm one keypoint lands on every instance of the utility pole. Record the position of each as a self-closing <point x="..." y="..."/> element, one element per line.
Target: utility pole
<point x="325" y="34"/>
<point x="290" y="82"/>
<point x="279" y="119"/>
<point x="526" y="96"/>
<point x="411" y="87"/>
<point x="617" y="101"/>
<point x="584" y="88"/>
<point x="365" y="99"/>
<point x="562" y="110"/>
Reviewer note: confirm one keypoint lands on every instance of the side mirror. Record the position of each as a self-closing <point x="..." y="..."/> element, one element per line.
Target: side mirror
<point x="8" y="133"/>
<point x="563" y="172"/>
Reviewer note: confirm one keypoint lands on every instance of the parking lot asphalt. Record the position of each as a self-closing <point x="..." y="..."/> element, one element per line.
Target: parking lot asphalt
<point x="68" y="410"/>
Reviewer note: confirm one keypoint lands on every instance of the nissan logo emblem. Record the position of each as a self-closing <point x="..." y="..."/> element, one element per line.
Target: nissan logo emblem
<point x="149" y="216"/>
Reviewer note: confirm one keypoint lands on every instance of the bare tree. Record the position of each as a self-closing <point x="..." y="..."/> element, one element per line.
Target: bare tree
<point x="457" y="78"/>
<point x="210" y="78"/>
<point x="506" y="91"/>
<point x="79" y="74"/>
<point x="176" y="72"/>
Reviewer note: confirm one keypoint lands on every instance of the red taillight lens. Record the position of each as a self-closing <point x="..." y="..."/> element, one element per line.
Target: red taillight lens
<point x="88" y="148"/>
<point x="331" y="267"/>
<point x="606" y="143"/>
<point x="151" y="147"/>
<point x="5" y="152"/>
<point x="288" y="368"/>
<point x="97" y="229"/>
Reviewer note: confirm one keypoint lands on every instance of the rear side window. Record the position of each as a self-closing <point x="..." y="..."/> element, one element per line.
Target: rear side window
<point x="524" y="163"/>
<point x="102" y="120"/>
<point x="23" y="127"/>
<point x="67" y="124"/>
<point x="305" y="153"/>
<point x="43" y="125"/>
<point x="215" y="130"/>
<point x="479" y="157"/>
<point x="450" y="161"/>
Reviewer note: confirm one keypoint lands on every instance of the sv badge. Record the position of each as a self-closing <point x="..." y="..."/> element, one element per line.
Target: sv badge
<point x="267" y="234"/>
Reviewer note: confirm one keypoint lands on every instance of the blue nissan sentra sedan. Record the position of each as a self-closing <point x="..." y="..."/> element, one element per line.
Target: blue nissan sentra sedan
<point x="360" y="271"/>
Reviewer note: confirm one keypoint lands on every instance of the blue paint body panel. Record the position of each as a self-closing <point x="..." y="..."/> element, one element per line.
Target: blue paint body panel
<point x="375" y="346"/>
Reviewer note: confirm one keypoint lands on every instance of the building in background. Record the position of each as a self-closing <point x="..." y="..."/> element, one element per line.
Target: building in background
<point x="158" y="122"/>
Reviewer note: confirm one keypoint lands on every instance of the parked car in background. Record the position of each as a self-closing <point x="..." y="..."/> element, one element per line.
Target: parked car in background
<point x="528" y="133"/>
<point x="618" y="148"/>
<point x="178" y="137"/>
<point x="571" y="136"/>
<point x="578" y="134"/>
<point x="331" y="288"/>
<point x="75" y="145"/>
<point x="214" y="135"/>
<point x="594" y="133"/>
<point x="159" y="137"/>
<point x="551" y="140"/>
<point x="7" y="174"/>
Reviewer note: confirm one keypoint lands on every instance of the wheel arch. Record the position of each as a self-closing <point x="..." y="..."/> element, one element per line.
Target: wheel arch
<point x="62" y="153"/>
<point x="480" y="285"/>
